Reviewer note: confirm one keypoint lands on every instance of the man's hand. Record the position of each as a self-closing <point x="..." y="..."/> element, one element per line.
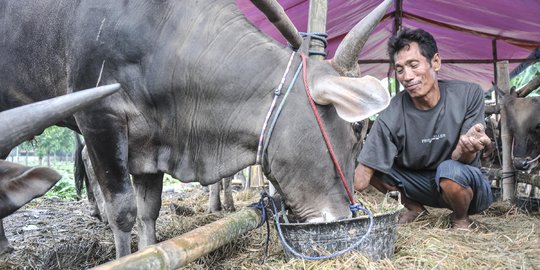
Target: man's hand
<point x="470" y="143"/>
<point x="362" y="177"/>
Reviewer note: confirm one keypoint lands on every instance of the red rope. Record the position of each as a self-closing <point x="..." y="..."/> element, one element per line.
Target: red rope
<point x="323" y="131"/>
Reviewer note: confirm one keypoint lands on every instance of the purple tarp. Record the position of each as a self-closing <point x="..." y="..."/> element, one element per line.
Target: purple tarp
<point x="463" y="30"/>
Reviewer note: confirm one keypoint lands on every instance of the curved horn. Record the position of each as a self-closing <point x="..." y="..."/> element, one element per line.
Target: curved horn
<point x="277" y="16"/>
<point x="20" y="124"/>
<point x="346" y="57"/>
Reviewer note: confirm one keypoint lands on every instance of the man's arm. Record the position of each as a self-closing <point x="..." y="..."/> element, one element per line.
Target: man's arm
<point x="470" y="143"/>
<point x="362" y="177"/>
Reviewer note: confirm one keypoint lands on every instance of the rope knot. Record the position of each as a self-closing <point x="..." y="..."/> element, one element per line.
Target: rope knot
<point x="261" y="206"/>
<point x="355" y="207"/>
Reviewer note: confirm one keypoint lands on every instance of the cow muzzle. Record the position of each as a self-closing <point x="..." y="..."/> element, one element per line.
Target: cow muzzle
<point x="521" y="163"/>
<point x="525" y="164"/>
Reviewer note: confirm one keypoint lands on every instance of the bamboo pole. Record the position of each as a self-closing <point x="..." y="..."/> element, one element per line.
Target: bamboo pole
<point x="181" y="250"/>
<point x="317" y="24"/>
<point x="508" y="183"/>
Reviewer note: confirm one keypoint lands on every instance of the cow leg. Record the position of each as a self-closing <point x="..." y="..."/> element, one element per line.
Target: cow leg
<point x="148" y="189"/>
<point x="96" y="200"/>
<point x="94" y="209"/>
<point x="228" y="202"/>
<point x="214" y="202"/>
<point x="107" y="145"/>
<point x="5" y="247"/>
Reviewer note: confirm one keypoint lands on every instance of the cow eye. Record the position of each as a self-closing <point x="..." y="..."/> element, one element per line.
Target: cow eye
<point x="538" y="128"/>
<point x="357" y="127"/>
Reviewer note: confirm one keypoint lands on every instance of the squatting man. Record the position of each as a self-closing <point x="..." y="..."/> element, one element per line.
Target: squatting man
<point x="426" y="143"/>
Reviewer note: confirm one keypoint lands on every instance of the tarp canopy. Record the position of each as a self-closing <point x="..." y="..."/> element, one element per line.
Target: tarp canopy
<point x="465" y="31"/>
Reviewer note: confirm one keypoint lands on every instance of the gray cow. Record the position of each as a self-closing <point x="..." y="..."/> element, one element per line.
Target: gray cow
<point x="524" y="124"/>
<point x="198" y="80"/>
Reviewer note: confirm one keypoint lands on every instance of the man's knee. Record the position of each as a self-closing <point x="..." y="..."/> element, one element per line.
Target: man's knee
<point x="451" y="169"/>
<point x="450" y="187"/>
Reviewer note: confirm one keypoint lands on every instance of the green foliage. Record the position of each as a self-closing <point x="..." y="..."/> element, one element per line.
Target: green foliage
<point x="53" y="140"/>
<point x="65" y="188"/>
<point x="61" y="141"/>
<point x="169" y="180"/>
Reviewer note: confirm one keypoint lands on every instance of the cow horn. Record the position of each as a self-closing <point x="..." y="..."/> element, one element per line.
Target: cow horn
<point x="20" y="124"/>
<point x="277" y="16"/>
<point x="346" y="56"/>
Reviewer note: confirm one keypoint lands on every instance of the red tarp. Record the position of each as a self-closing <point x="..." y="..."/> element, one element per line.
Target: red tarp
<point x="463" y="30"/>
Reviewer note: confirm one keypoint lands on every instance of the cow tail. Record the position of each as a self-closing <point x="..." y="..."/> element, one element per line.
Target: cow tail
<point x="80" y="170"/>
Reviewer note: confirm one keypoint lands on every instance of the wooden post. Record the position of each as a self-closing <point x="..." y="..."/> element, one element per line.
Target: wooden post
<point x="179" y="251"/>
<point x="256" y="176"/>
<point x="508" y="183"/>
<point x="317" y="23"/>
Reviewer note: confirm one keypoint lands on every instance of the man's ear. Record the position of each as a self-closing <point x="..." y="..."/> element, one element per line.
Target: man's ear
<point x="436" y="62"/>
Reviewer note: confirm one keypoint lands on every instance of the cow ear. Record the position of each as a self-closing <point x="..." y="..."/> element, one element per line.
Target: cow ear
<point x="355" y="99"/>
<point x="513" y="92"/>
<point x="20" y="184"/>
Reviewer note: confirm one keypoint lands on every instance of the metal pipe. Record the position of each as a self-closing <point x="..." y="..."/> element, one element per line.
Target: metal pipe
<point x="183" y="249"/>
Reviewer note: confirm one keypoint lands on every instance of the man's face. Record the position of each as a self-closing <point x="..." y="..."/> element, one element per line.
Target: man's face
<point x="415" y="72"/>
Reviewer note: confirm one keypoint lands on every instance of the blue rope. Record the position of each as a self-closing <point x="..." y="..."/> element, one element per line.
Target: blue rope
<point x="320" y="37"/>
<point x="260" y="205"/>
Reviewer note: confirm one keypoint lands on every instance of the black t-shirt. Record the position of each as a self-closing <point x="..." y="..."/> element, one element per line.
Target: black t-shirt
<point x="421" y="140"/>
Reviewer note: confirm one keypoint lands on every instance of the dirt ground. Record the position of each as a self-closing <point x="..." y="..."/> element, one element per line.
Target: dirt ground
<point x="52" y="234"/>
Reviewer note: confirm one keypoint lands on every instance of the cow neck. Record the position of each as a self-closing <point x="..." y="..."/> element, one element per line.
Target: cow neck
<point x="277" y="93"/>
<point x="263" y="144"/>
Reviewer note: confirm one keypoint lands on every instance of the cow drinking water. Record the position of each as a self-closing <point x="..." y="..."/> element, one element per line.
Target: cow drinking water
<point x="198" y="80"/>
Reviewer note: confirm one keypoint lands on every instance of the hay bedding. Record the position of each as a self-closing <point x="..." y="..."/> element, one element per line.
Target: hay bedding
<point x="48" y="234"/>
